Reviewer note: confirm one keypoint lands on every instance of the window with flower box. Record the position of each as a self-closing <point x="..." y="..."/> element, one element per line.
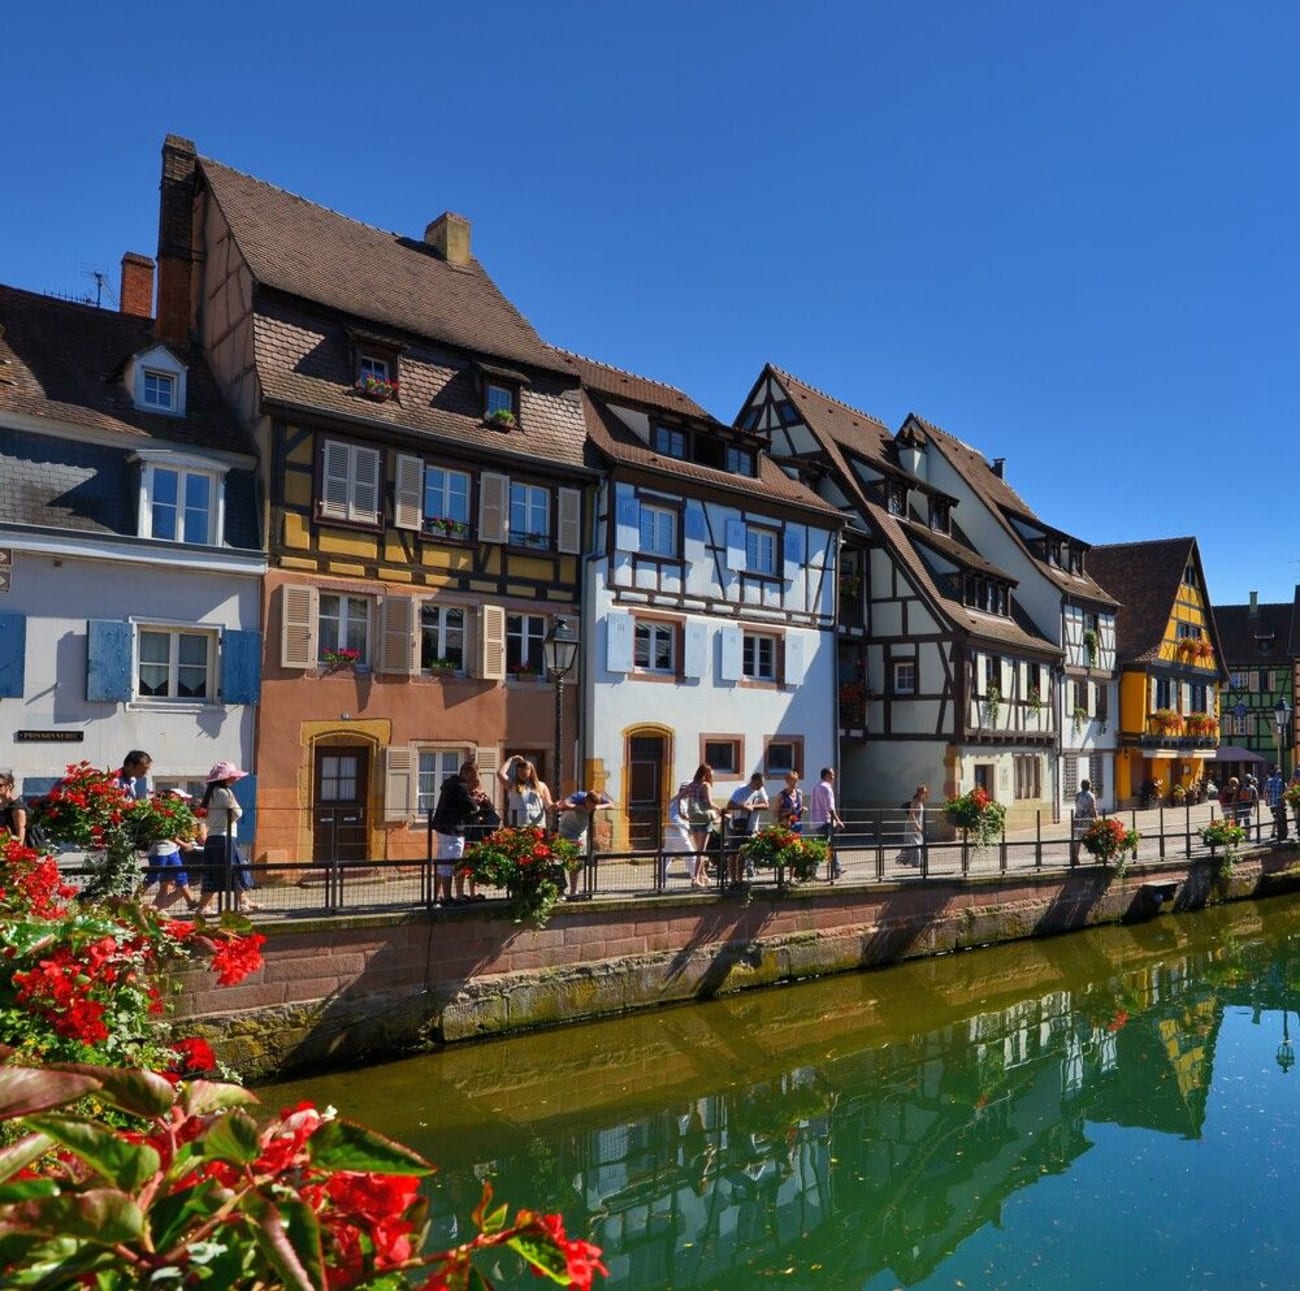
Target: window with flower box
<point x="530" y="515"/>
<point x="524" y="636"/>
<point x="442" y="640"/>
<point x="446" y="502"/>
<point x="343" y="634"/>
<point x="500" y="404"/>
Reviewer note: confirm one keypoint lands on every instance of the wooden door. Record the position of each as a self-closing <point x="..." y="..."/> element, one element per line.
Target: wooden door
<point x="645" y="801"/>
<point x="341" y="785"/>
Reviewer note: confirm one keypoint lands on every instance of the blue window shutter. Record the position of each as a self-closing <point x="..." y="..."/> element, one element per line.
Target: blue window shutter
<point x="241" y="667"/>
<point x="245" y="792"/>
<point x="627" y="522"/>
<point x="13" y="655"/>
<point x="108" y="661"/>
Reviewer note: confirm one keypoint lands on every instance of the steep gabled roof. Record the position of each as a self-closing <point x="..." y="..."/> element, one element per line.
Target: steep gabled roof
<point x="65" y="361"/>
<point x="1255" y="638"/>
<point x="316" y="254"/>
<point x="607" y="387"/>
<point x="1004" y="503"/>
<point x="844" y="432"/>
<point x="1144" y="578"/>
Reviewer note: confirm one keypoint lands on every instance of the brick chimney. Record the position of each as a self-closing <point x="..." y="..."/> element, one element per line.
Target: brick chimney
<point x="448" y="235"/>
<point x="1254" y="605"/>
<point x="136" y="296"/>
<point x="176" y="239"/>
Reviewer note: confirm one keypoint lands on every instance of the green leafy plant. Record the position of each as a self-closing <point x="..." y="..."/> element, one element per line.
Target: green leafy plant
<point x="992" y="705"/>
<point x="1108" y="841"/>
<point x="340" y="657"/>
<point x="447" y="526"/>
<point x="528" y="865"/>
<point x="1035" y="699"/>
<point x="1223" y="833"/>
<point x="377" y="388"/>
<point x="975" y="813"/>
<point x="205" y="1195"/>
<point x="502" y="417"/>
<point x="1080" y="719"/>
<point x="1090" y="645"/>
<point x="776" y="845"/>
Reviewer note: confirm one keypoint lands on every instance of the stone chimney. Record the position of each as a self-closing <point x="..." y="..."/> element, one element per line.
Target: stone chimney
<point x="1000" y="467"/>
<point x="448" y="235"/>
<point x="136" y="296"/>
<point x="176" y="239"/>
<point x="1254" y="605"/>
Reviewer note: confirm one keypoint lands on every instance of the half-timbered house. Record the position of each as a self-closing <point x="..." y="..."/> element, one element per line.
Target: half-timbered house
<point x="130" y="558"/>
<point x="710" y="608"/>
<point x="933" y="642"/>
<point x="1259" y="655"/>
<point x="1055" y="590"/>
<point x="424" y="484"/>
<point x="1170" y="665"/>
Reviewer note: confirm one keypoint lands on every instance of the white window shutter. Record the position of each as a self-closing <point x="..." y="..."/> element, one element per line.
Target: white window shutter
<point x="397" y="636"/>
<point x="695" y="659"/>
<point x="493" y="507"/>
<point x="335" y="478"/>
<point x="408" y="492"/>
<point x="736" y="544"/>
<point x="627" y="520"/>
<point x="401" y="784"/>
<point x="793" y="541"/>
<point x="365" y="485"/>
<point x="618" y="642"/>
<point x="298" y="606"/>
<point x="568" y="525"/>
<point x="488" y="758"/>
<point x="794" y="661"/>
<point x="733" y="643"/>
<point x="491" y="642"/>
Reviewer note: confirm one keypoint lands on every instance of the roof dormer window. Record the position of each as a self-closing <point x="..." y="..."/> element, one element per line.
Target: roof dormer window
<point x="159" y="391"/>
<point x="939" y="516"/>
<point x="155" y="379"/>
<point x="376" y="378"/>
<point x="740" y="461"/>
<point x="671" y="441"/>
<point x="500" y="404"/>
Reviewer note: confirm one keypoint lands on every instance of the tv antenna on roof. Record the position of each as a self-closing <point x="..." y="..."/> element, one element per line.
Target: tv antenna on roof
<point x="102" y="289"/>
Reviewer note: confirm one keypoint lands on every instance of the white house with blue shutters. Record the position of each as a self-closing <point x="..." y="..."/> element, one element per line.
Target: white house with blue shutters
<point x="130" y="555"/>
<point x="708" y="608"/>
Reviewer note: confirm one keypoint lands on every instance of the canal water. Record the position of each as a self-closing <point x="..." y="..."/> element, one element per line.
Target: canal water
<point x="1111" y="1108"/>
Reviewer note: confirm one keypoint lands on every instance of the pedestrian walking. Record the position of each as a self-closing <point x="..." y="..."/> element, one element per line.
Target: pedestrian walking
<point x="224" y="869"/>
<point x="914" y="826"/>
<point x="824" y="819"/>
<point x="702" y="816"/>
<point x="1083" y="817"/>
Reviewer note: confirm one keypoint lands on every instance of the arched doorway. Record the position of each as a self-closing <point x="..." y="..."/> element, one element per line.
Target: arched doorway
<point x="648" y="760"/>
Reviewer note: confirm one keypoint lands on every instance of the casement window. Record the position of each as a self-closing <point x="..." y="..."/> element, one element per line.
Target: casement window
<point x="500" y="403"/>
<point x="344" y="624"/>
<point x="724" y="753"/>
<point x="158" y="391"/>
<point x="1189" y="576"/>
<point x="782" y="753"/>
<point x="446" y="502"/>
<point x="655" y="647"/>
<point x="1080" y="696"/>
<point x="659" y="532"/>
<point x="350" y="484"/>
<point x="373" y="368"/>
<point x="530" y="515"/>
<point x="524" y="636"/>
<point x="759" y="656"/>
<point x="992" y="673"/>
<point x="939" y="516"/>
<point x="436" y="766"/>
<point x="1029" y="777"/>
<point x="180" y="504"/>
<point x="1164" y="693"/>
<point x="1101" y="710"/>
<point x="904" y="676"/>
<point x="1198" y="697"/>
<point x="171" y="663"/>
<point x="442" y="639"/>
<point x="671" y="441"/>
<point x="761" y="549"/>
<point x="176" y="664"/>
<point x="741" y="461"/>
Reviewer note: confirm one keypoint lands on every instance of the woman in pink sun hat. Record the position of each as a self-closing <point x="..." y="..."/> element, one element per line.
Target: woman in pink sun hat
<point x="223" y="866"/>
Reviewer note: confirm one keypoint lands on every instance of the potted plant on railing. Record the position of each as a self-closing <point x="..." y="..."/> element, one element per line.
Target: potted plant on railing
<point x="377" y="388"/>
<point x="1108" y="841"/>
<point x="975" y="813"/>
<point x="1090" y="645"/>
<point x="340" y="657"/>
<point x="502" y="418"/>
<point x="446" y="526"/>
<point x="802" y="857"/>
<point x="1225" y="834"/>
<point x="528" y="865"/>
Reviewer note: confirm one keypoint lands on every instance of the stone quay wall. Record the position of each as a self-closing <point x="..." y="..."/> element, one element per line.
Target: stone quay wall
<point x="337" y="992"/>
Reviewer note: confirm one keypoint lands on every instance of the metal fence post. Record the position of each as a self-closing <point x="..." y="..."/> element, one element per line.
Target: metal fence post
<point x="1038" y="839"/>
<point x="1074" y="850"/>
<point x="1002" y="849"/>
<point x="426" y="878"/>
<point x="880" y="844"/>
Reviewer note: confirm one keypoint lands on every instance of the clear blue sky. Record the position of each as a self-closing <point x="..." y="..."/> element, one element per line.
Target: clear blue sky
<point x="1066" y="234"/>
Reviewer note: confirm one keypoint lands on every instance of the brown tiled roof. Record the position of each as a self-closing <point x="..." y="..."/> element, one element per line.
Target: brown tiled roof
<point x="303" y="360"/>
<point x="1255" y="640"/>
<point x="619" y="386"/>
<point x="1004" y="502"/>
<point x="312" y="252"/>
<point x="612" y="438"/>
<point x="1144" y="578"/>
<point x="65" y="361"/>
<point x="844" y="431"/>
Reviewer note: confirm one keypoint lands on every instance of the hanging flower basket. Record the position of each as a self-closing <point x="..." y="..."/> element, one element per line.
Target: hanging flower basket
<point x="778" y="846"/>
<point x="528" y="865"/>
<point x="1106" y="840"/>
<point x="377" y="388"/>
<point x="977" y="816"/>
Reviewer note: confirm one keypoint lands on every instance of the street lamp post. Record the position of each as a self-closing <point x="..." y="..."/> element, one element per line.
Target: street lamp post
<point x="1282" y="723"/>
<point x="559" y="654"/>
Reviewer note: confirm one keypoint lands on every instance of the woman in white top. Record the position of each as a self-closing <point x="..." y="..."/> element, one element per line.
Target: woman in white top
<point x="220" y="851"/>
<point x="914" y="826"/>
<point x="528" y="800"/>
<point x="677" y="839"/>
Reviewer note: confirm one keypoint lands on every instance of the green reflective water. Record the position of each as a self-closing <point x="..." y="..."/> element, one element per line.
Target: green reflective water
<point x="1107" y="1109"/>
